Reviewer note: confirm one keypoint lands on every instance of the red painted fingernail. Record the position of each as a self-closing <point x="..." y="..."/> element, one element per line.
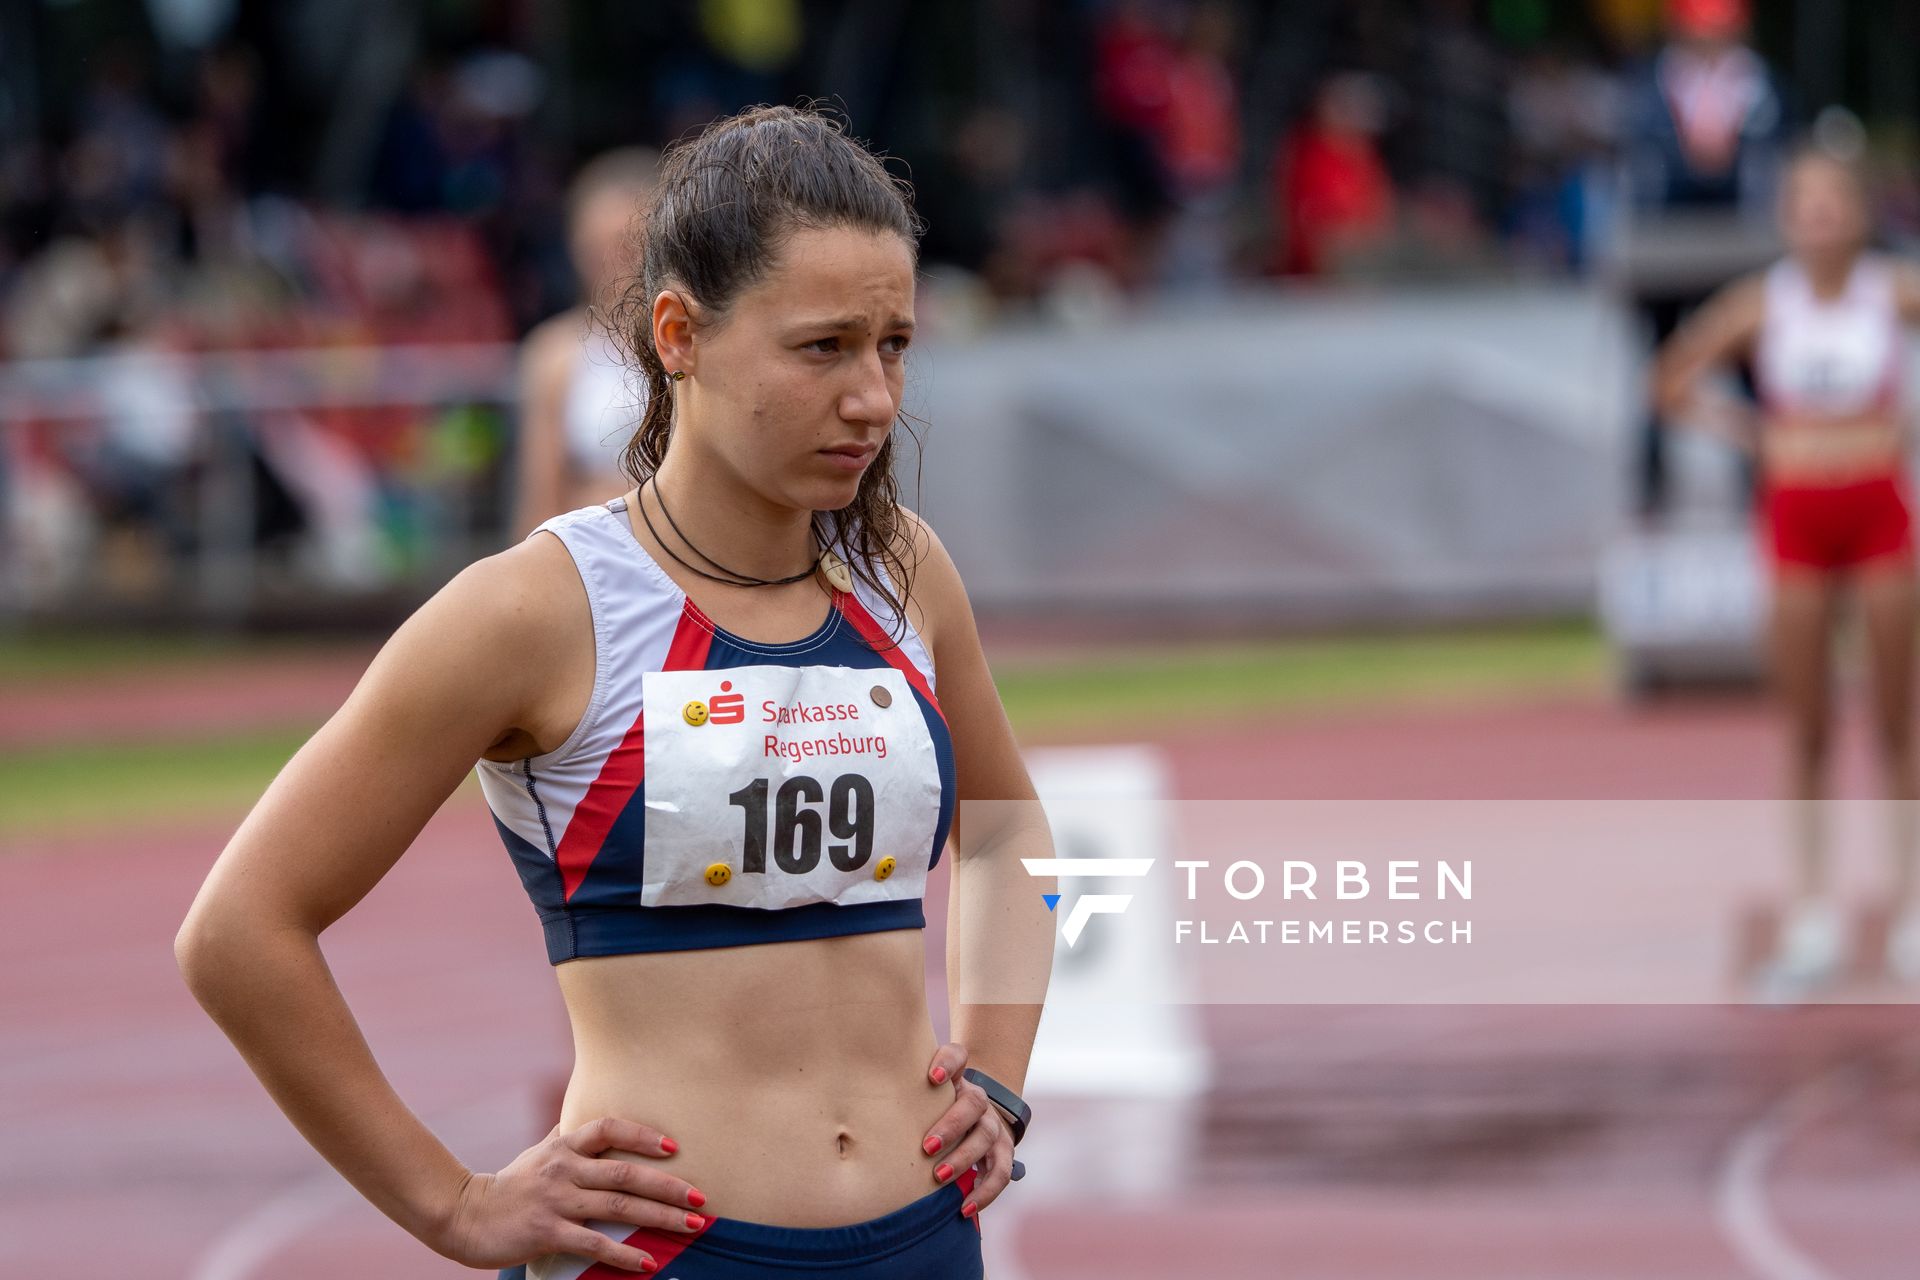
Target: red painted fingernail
<point x="648" y="1264"/>
<point x="968" y="1209"/>
<point x="931" y="1145"/>
<point x="942" y="1173"/>
<point x="694" y="1197"/>
<point x="669" y="1146"/>
<point x="939" y="1075"/>
<point x="695" y="1222"/>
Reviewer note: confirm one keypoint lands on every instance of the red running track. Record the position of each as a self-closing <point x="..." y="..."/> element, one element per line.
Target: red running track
<point x="1500" y="1144"/>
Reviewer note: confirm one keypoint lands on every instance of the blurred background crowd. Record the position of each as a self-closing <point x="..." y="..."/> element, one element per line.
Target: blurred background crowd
<point x="370" y="199"/>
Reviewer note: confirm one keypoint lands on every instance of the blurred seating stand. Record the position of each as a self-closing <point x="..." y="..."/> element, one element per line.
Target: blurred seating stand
<point x="300" y="485"/>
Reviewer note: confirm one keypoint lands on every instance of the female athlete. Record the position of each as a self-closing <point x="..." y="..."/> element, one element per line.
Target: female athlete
<point x="730" y="885"/>
<point x="579" y="402"/>
<point x="1825" y="330"/>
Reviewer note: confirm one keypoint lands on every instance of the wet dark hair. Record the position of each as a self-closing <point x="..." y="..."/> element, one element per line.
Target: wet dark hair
<point x="726" y="203"/>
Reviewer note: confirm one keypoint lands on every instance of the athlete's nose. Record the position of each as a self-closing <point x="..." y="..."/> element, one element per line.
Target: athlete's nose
<point x="869" y="400"/>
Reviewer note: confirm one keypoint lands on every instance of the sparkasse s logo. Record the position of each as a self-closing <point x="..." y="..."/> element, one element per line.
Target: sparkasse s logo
<point x="726" y="707"/>
<point x="1088" y="905"/>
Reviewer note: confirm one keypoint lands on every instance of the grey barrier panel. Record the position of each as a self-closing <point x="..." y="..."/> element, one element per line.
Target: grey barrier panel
<point x="1445" y="452"/>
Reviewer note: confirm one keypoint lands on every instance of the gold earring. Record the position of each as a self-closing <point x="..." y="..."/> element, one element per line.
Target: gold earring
<point x="678" y="374"/>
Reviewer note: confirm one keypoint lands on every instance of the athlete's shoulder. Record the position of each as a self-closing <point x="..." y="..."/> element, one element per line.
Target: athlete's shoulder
<point x="1751" y="289"/>
<point x="1740" y="307"/>
<point x="520" y="603"/>
<point x="483" y="646"/>
<point x="1903" y="277"/>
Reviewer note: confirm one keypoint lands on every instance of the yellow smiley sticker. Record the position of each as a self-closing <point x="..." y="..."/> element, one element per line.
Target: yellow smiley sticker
<point x="883" y="869"/>
<point x="718" y="874"/>
<point x="694" y="713"/>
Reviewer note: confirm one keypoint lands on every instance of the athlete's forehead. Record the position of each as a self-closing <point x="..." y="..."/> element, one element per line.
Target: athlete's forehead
<point x="841" y="278"/>
<point x="1822" y="171"/>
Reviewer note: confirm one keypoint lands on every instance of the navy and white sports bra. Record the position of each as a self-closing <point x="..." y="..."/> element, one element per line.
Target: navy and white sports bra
<point x="719" y="792"/>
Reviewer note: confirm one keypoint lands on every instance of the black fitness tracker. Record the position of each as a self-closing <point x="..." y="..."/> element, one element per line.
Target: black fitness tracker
<point x="1018" y="1113"/>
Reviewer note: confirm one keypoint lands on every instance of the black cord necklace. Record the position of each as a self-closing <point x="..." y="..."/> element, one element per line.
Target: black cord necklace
<point x="737" y="580"/>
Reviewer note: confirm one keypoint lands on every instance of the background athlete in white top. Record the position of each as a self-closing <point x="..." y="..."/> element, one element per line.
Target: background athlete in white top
<point x="579" y="400"/>
<point x="1825" y="328"/>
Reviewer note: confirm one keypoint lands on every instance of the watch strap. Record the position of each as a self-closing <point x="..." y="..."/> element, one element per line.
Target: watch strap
<point x="1018" y="1113"/>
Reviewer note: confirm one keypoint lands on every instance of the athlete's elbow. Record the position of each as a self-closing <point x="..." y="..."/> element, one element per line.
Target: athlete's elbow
<point x="197" y="949"/>
<point x="1670" y="389"/>
<point x="212" y="946"/>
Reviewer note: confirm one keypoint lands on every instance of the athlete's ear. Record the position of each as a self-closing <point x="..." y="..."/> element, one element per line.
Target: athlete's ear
<point x="673" y="331"/>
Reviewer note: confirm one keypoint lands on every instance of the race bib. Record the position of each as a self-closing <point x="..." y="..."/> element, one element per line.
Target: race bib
<point x="779" y="786"/>
<point x="1837" y="366"/>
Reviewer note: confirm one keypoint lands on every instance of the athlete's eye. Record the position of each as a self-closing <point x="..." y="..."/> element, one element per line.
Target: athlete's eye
<point x="896" y="345"/>
<point x="826" y="346"/>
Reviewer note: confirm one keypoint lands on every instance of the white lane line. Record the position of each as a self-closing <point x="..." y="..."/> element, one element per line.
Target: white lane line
<point x="250" y="1243"/>
<point x="1740" y="1194"/>
<point x="244" y="1248"/>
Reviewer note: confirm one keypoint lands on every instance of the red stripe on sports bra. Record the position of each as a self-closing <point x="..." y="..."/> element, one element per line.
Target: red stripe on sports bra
<point x="626" y="765"/>
<point x="881" y="643"/>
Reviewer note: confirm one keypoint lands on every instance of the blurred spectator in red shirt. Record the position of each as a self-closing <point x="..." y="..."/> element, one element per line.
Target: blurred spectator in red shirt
<point x="1331" y="188"/>
<point x="1133" y="69"/>
<point x="1199" y="133"/>
<point x="1133" y="86"/>
<point x="1173" y="112"/>
<point x="1200" y="150"/>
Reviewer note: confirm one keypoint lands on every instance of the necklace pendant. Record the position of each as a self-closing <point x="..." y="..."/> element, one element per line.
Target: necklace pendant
<point x="835" y="570"/>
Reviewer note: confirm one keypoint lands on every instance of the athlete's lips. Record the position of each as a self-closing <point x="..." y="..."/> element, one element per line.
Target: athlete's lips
<point x="852" y="456"/>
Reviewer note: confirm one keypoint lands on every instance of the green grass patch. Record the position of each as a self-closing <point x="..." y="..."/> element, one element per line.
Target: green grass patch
<point x="119" y="785"/>
<point x="29" y="655"/>
<point x="1201" y="682"/>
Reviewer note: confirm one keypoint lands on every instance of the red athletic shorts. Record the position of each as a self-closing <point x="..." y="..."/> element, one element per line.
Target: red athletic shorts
<point x="1839" y="526"/>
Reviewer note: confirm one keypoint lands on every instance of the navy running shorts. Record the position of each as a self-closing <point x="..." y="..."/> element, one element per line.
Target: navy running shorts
<point x="927" y="1240"/>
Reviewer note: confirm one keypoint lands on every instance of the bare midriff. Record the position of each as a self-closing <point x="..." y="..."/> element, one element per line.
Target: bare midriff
<point x="793" y="1075"/>
<point x="1811" y="450"/>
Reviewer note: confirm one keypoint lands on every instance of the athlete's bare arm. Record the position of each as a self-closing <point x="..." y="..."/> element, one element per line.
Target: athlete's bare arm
<point x="999" y="934"/>
<point x="1721" y="330"/>
<point x="541" y="481"/>
<point x="1906" y="299"/>
<point x="475" y="668"/>
<point x="1906" y="291"/>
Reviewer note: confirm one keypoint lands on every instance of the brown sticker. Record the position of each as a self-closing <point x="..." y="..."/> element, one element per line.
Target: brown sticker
<point x="881" y="698"/>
